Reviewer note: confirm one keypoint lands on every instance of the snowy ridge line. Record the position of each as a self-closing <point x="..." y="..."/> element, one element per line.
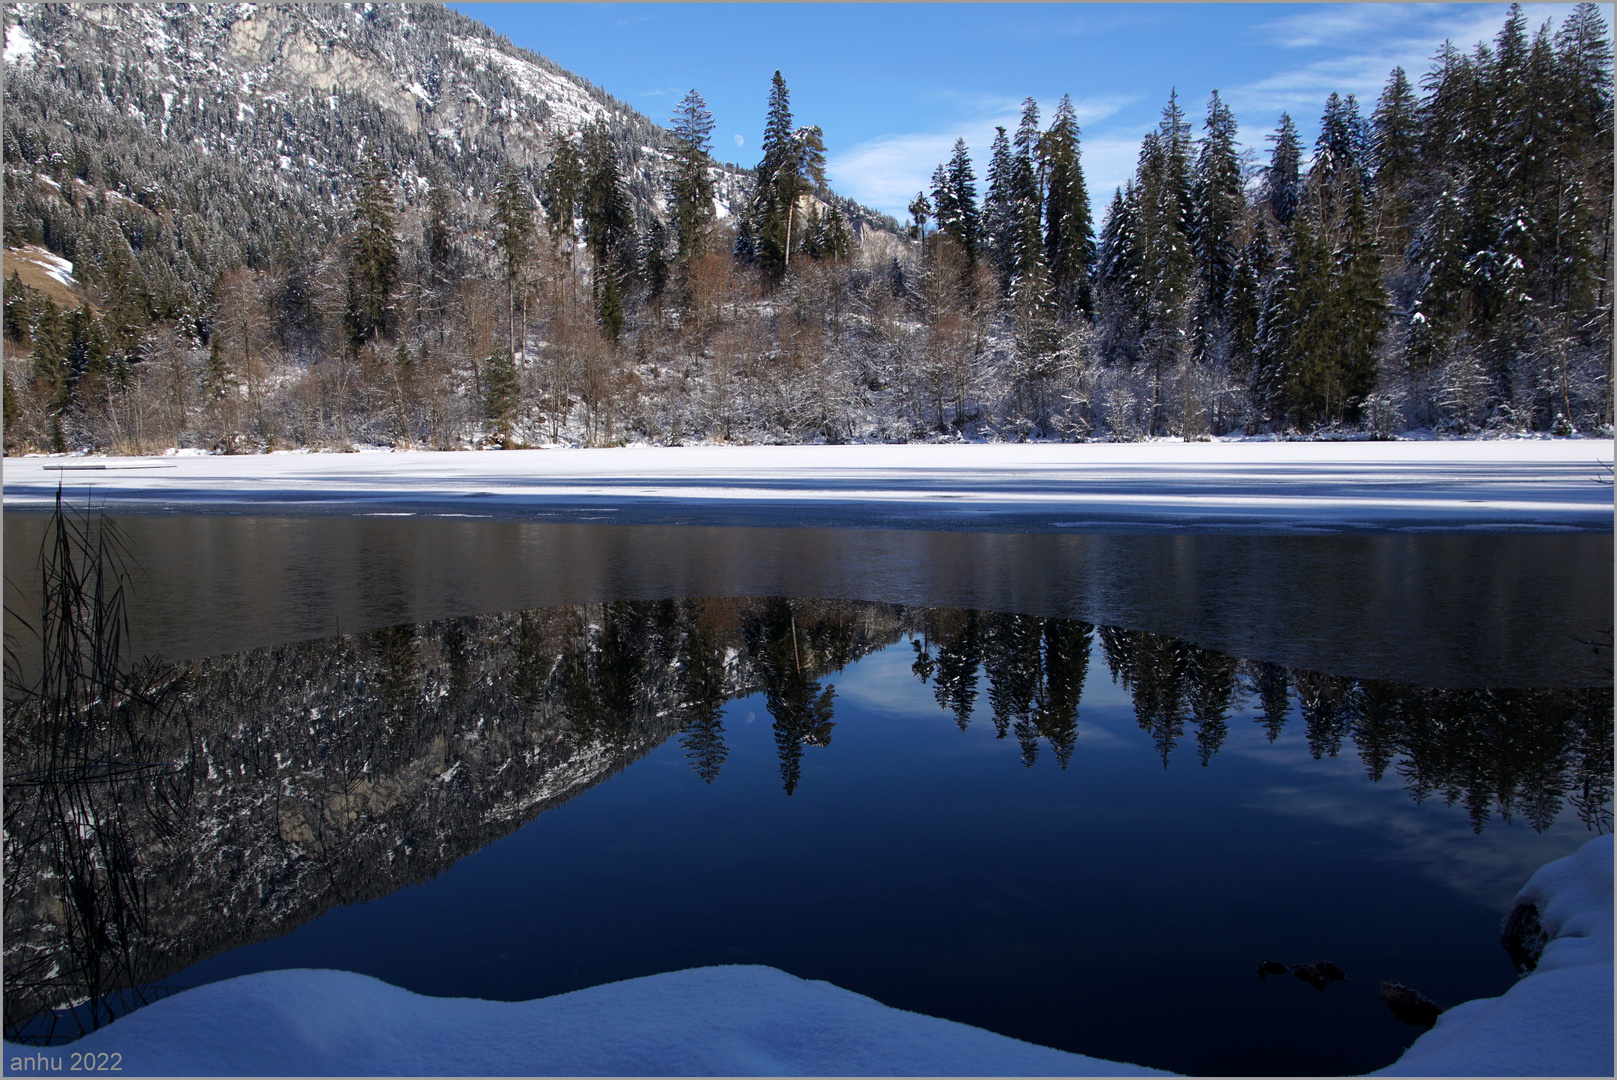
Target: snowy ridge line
<point x="1516" y="484"/>
<point x="727" y="1021"/>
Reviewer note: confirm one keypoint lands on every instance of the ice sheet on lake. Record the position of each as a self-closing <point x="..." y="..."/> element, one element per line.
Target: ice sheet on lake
<point x="1506" y="483"/>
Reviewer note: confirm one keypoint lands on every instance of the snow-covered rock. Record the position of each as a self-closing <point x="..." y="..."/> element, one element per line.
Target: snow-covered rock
<point x="1556" y="1021"/>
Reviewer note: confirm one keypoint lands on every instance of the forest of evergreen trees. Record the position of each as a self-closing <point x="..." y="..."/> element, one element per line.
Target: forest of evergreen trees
<point x="1442" y="260"/>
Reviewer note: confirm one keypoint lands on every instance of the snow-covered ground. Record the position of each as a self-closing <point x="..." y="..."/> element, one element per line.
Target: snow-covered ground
<point x="1556" y="1021"/>
<point x="759" y="1021"/>
<point x="1544" y="484"/>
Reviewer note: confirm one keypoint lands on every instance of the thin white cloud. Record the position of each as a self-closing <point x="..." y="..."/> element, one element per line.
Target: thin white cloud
<point x="1329" y="25"/>
<point x="1365" y="42"/>
<point x="1436" y="838"/>
<point x="1109" y="162"/>
<point x="887" y="171"/>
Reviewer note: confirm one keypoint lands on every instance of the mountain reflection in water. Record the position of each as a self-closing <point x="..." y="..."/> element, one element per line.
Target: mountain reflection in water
<point x="337" y="771"/>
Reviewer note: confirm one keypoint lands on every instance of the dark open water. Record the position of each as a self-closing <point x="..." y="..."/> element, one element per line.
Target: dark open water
<point x="1071" y="788"/>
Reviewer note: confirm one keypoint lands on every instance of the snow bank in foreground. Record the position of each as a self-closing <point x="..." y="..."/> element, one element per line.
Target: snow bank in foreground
<point x="724" y="1021"/>
<point x="758" y="1021"/>
<point x="1556" y="1021"/>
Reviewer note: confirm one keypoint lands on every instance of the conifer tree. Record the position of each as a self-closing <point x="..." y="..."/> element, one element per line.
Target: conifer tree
<point x="1580" y="255"/>
<point x="1069" y="239"/>
<point x="375" y="267"/>
<point x="836" y="242"/>
<point x="779" y="184"/>
<point x="1246" y="297"/>
<point x="50" y="368"/>
<point x="1118" y="273"/>
<point x="1026" y="183"/>
<point x="1338" y="161"/>
<point x="1219" y="207"/>
<point x="1168" y="261"/>
<point x="513" y="233"/>
<point x="561" y="187"/>
<point x="1275" y="348"/>
<point x="11" y="408"/>
<point x="654" y="258"/>
<point x="217" y="378"/>
<point x="1001" y="216"/>
<point x="607" y="220"/>
<point x="921" y="210"/>
<point x="793" y="166"/>
<point x="1395" y="156"/>
<point x="19" y="310"/>
<point x="439" y="223"/>
<point x="690" y="184"/>
<point x="502" y="394"/>
<point x="1033" y="308"/>
<point x="964" y="222"/>
<point x="610" y="308"/>
<point x="1362" y="303"/>
<point x="944" y="211"/>
<point x="1283" y="178"/>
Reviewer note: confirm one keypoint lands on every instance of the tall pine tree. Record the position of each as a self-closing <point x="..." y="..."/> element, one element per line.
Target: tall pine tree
<point x="1219" y="207"/>
<point x="690" y="183"/>
<point x="1069" y="235"/>
<point x="375" y="267"/>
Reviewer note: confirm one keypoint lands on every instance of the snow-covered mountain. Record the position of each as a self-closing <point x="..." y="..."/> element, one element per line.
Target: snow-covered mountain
<point x="212" y="136"/>
<point x="432" y="76"/>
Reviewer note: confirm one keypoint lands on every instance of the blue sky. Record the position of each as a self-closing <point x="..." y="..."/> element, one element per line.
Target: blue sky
<point x="893" y="85"/>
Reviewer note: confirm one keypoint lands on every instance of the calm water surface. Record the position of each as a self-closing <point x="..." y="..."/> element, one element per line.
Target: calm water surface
<point x="1069" y="788"/>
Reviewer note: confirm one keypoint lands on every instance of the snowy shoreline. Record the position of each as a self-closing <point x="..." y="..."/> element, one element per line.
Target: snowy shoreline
<point x="1552" y="485"/>
<point x="752" y="1021"/>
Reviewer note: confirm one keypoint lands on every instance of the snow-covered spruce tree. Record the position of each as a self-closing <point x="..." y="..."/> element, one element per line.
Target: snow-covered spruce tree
<point x="690" y="183"/>
<point x="1395" y="158"/>
<point x="513" y="235"/>
<point x="1001" y="218"/>
<point x="792" y="166"/>
<point x="561" y="188"/>
<point x="1282" y="181"/>
<point x="1069" y="237"/>
<point x="1219" y="206"/>
<point x="964" y="221"/>
<point x="1245" y="300"/>
<point x="375" y="266"/>
<point x="1037" y="336"/>
<point x="1168" y="258"/>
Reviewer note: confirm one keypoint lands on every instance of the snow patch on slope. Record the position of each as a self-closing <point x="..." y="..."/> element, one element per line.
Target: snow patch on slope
<point x="19" y="46"/>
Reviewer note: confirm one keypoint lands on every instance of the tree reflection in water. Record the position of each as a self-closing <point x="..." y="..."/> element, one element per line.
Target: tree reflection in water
<point x="336" y="771"/>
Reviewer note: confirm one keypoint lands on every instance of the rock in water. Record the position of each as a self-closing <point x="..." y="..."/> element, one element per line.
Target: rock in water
<point x="1319" y="973"/>
<point x="1267" y="968"/>
<point x="1408" y="1004"/>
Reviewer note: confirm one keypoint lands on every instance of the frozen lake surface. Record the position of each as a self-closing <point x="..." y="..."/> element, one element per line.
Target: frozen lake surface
<point x="1535" y="484"/>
